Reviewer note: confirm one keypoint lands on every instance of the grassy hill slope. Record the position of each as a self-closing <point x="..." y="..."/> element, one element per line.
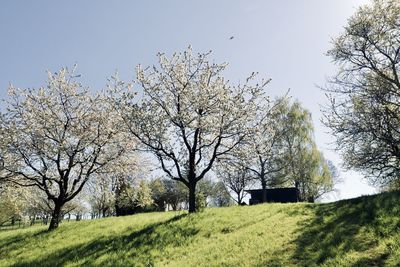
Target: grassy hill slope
<point x="359" y="232"/>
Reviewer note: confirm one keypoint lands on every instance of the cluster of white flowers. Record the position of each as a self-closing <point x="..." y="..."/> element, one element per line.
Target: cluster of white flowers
<point x="57" y="137"/>
<point x="189" y="114"/>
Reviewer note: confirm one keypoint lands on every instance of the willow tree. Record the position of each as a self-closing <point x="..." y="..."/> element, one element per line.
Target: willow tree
<point x="364" y="113"/>
<point x="189" y="114"/>
<point x="301" y="163"/>
<point x="57" y="137"/>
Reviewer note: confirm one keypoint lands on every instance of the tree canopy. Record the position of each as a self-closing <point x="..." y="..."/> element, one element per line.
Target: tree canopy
<point x="189" y="115"/>
<point x="364" y="95"/>
<point x="57" y="137"/>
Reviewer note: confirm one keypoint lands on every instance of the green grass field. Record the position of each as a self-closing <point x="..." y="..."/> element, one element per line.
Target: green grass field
<point x="358" y="232"/>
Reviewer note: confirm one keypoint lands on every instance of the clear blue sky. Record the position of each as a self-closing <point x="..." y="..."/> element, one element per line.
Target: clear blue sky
<point x="283" y="40"/>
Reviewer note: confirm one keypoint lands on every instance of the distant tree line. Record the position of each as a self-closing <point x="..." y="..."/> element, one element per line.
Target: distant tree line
<point x="27" y="206"/>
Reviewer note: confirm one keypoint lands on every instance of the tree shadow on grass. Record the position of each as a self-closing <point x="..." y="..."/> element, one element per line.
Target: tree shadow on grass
<point x="13" y="242"/>
<point x="348" y="226"/>
<point x="138" y="248"/>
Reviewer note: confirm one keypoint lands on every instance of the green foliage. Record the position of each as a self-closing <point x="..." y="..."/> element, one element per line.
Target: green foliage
<point x="212" y="193"/>
<point x="158" y="193"/>
<point x="131" y="198"/>
<point x="142" y="196"/>
<point x="167" y="191"/>
<point x="299" y="161"/>
<point x="357" y="232"/>
<point x="201" y="201"/>
<point x="14" y="203"/>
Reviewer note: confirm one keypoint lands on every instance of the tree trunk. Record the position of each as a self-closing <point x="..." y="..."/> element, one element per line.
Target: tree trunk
<point x="56" y="216"/>
<point x="33" y="220"/>
<point x="174" y="206"/>
<point x="296" y="184"/>
<point x="264" y="191"/>
<point x="45" y="219"/>
<point x="192" y="196"/>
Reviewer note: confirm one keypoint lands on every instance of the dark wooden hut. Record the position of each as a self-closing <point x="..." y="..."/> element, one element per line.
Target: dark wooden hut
<point x="280" y="195"/>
